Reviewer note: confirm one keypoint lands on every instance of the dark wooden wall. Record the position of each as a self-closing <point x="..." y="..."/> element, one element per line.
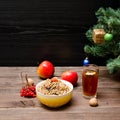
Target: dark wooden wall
<point x="35" y="30"/>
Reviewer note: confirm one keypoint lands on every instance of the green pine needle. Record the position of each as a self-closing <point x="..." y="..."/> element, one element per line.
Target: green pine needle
<point x="109" y="20"/>
<point x="113" y="65"/>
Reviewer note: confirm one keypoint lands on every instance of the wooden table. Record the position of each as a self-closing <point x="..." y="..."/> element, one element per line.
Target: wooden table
<point x="14" y="107"/>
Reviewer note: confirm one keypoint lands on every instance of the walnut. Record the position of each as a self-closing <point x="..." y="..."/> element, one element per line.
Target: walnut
<point x="93" y="102"/>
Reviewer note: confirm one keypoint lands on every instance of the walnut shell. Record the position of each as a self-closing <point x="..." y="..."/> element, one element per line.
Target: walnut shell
<point x="93" y="102"/>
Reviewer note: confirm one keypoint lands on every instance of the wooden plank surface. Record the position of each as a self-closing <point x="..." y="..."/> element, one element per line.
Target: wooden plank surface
<point x="14" y="107"/>
<point x="33" y="30"/>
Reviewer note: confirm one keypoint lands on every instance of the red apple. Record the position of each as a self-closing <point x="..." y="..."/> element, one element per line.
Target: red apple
<point x="70" y="76"/>
<point x="45" y="69"/>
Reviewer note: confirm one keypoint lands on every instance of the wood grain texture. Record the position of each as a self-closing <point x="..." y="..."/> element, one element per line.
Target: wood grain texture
<point x="33" y="30"/>
<point x="14" y="107"/>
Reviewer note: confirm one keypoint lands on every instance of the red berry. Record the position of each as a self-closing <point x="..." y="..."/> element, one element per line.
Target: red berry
<point x="32" y="88"/>
<point x="29" y="91"/>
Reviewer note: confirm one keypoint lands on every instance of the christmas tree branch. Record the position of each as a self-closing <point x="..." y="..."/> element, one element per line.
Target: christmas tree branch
<point x="113" y="65"/>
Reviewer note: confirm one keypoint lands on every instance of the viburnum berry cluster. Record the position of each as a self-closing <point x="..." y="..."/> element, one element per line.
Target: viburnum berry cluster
<point x="28" y="89"/>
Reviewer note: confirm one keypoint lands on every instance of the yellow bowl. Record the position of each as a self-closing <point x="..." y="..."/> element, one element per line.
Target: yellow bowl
<point x="55" y="100"/>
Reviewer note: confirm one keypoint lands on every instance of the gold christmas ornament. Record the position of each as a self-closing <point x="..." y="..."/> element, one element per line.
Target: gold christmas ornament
<point x="98" y="36"/>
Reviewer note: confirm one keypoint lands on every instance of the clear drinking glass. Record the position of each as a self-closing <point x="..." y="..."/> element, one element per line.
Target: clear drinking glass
<point x="90" y="75"/>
